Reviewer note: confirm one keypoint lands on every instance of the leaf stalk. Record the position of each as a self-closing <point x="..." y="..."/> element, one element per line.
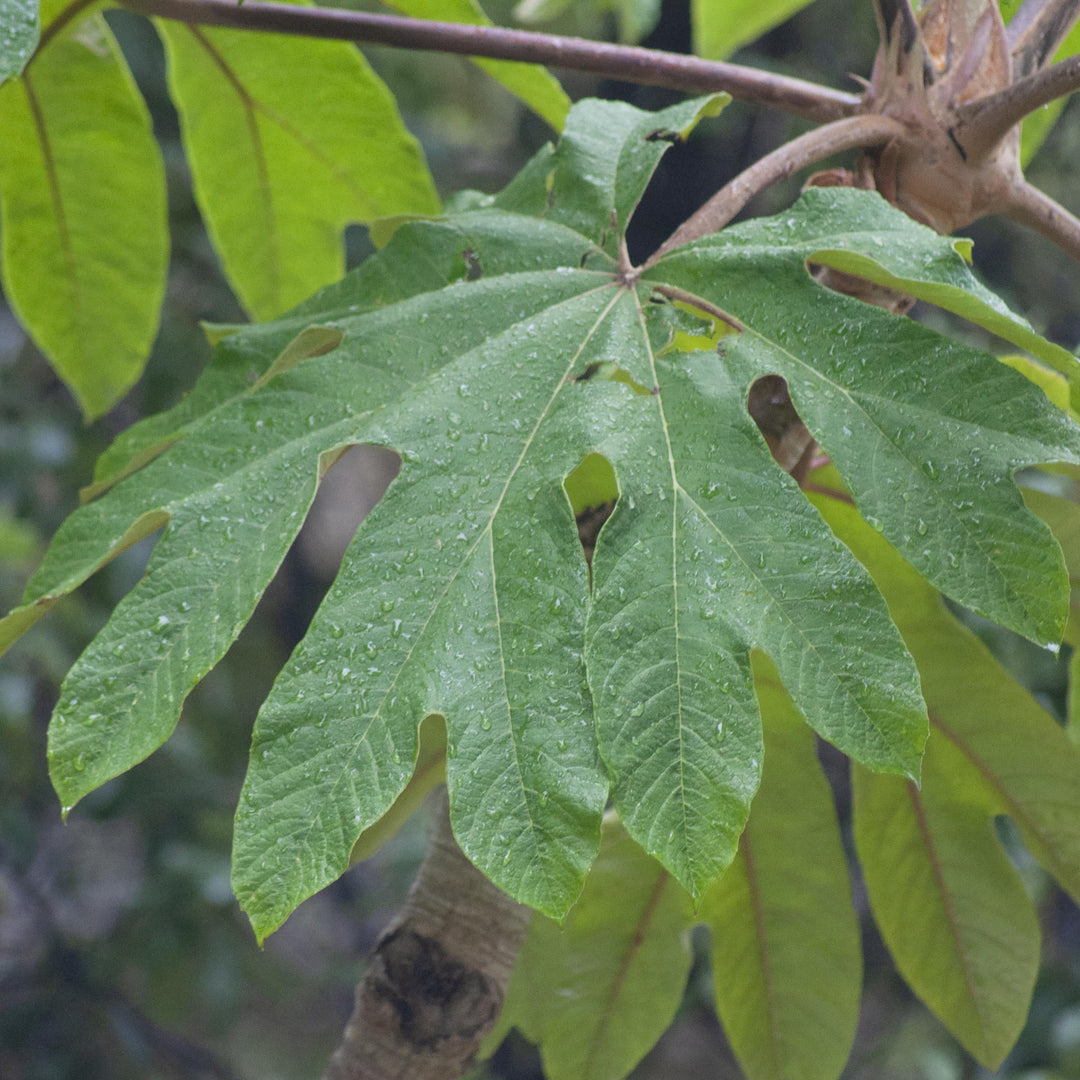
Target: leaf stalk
<point x="852" y="132"/>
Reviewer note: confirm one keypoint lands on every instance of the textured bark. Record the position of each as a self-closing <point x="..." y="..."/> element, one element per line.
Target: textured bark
<point x="437" y="977"/>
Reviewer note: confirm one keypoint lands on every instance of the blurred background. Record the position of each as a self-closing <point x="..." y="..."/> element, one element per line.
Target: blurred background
<point x="122" y="952"/>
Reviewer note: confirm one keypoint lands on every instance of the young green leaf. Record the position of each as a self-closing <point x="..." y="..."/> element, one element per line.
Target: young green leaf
<point x="597" y="992"/>
<point x="82" y="211"/>
<point x="533" y="84"/>
<point x="951" y="908"/>
<point x="281" y="161"/>
<point x="785" y="941"/>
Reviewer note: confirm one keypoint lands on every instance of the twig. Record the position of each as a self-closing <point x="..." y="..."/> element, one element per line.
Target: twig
<point x="631" y="64"/>
<point x="987" y="119"/>
<point x="1036" y="32"/>
<point x="1031" y="207"/>
<point x="847" y="134"/>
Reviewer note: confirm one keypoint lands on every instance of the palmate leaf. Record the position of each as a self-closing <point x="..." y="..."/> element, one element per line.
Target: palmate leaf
<point x="494" y="350"/>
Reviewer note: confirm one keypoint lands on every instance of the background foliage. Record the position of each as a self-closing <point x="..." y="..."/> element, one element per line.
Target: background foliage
<point x="175" y="838"/>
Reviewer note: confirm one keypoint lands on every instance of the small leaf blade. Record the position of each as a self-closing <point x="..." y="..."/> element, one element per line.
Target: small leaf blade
<point x="719" y="29"/>
<point x="950" y="906"/>
<point x="605" y="157"/>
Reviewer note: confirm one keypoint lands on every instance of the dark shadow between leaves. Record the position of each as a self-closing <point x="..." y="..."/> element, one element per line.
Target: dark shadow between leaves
<point x="790" y="442"/>
<point x="351" y="486"/>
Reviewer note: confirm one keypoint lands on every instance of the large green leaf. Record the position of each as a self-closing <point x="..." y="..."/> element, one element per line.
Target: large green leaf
<point x="82" y="211"/>
<point x="597" y="992"/>
<point x="950" y="907"/>
<point x="785" y="941"/>
<point x="494" y="350"/>
<point x="533" y="84"/>
<point x="20" y="25"/>
<point x="721" y="27"/>
<point x="289" y="140"/>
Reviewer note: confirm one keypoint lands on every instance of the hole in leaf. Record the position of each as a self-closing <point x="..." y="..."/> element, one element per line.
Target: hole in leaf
<point x="610" y="371"/>
<point x="593" y="491"/>
<point x="353" y="482"/>
<point x="693" y="327"/>
<point x="790" y="442"/>
<point x="860" y="289"/>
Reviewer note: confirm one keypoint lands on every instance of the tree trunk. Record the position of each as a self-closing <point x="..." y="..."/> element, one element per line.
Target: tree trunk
<point x="437" y="976"/>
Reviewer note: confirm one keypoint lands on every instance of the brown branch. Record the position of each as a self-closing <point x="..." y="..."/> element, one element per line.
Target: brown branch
<point x="847" y="134"/>
<point x="437" y="978"/>
<point x="628" y="63"/>
<point x="986" y="120"/>
<point x="1029" y="206"/>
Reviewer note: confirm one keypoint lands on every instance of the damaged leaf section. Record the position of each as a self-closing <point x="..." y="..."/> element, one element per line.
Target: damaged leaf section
<point x="612" y="372"/>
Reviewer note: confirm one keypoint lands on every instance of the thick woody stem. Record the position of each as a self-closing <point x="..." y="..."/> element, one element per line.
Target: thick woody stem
<point x="987" y="120"/>
<point x="847" y="134"/>
<point x="437" y="978"/>
<point x="1028" y="206"/>
<point x="631" y="64"/>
